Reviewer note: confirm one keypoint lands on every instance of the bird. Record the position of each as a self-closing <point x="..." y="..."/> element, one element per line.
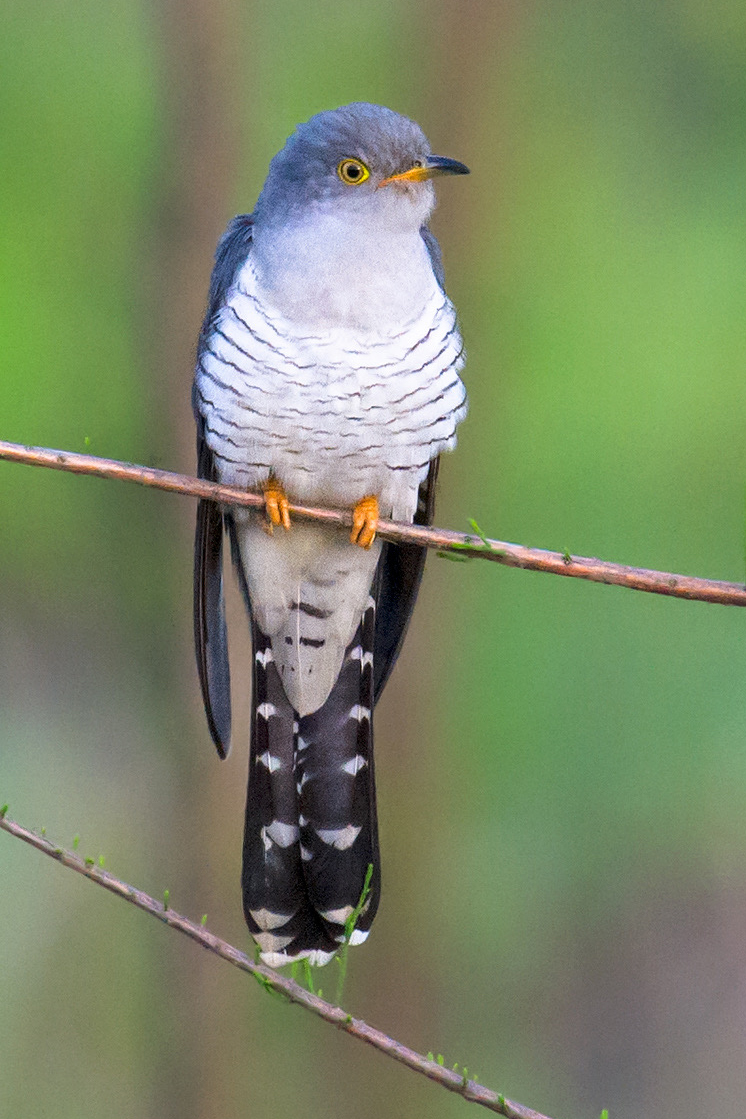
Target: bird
<point x="327" y="372"/>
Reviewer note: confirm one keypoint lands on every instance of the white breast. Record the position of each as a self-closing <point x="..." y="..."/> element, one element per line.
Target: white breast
<point x="336" y="412"/>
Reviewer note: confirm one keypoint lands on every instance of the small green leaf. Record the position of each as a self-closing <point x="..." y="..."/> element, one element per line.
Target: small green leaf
<point x="76" y="841"/>
<point x="203" y="920"/>
<point x="471" y="546"/>
<point x="350" y="924"/>
<point x="480" y="534"/>
<point x="440" y="1059"/>
<point x="101" y="861"/>
<point x="3" y="811"/>
<point x="266" y="983"/>
<point x="453" y="558"/>
<point x="166" y="896"/>
<point x="88" y="862"/>
<point x="566" y="558"/>
<point x="352" y="920"/>
<point x="430" y="1056"/>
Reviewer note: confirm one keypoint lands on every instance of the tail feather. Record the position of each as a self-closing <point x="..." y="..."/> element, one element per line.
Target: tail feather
<point x="311" y="830"/>
<point x="336" y="792"/>
<point x="276" y="906"/>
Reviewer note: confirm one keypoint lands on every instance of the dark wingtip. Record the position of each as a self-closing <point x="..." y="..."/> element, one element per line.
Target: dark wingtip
<point x="221" y="736"/>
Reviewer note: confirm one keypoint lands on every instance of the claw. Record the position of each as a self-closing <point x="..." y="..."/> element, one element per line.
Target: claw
<point x="277" y="505"/>
<point x="364" y="522"/>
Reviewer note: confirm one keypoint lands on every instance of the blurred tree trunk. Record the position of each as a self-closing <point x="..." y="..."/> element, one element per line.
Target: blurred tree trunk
<point x="202" y="51"/>
<point x="201" y="48"/>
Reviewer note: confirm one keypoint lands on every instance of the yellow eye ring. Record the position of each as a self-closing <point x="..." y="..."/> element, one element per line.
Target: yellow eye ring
<point x="352" y="171"/>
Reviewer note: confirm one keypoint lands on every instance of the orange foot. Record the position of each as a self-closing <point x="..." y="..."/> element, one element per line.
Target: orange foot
<point x="364" y="522"/>
<point x="277" y="506"/>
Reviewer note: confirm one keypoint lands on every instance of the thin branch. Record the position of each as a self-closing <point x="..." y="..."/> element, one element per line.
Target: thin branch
<point x="456" y="543"/>
<point x="274" y="982"/>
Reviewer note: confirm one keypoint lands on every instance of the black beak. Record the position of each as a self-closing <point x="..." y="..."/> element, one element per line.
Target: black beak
<point x="442" y="165"/>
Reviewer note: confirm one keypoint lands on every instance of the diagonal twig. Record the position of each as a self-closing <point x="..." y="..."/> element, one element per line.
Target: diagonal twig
<point x="275" y="983"/>
<point x="456" y="543"/>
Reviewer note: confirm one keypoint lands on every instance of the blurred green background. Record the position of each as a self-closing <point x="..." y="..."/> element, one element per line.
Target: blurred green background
<point x="561" y="766"/>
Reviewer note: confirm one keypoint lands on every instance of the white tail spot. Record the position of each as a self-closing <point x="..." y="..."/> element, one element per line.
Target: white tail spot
<point x="341" y="838"/>
<point x="267" y="920"/>
<point x="357" y="937"/>
<point x="284" y="835"/>
<point x="264" y="657"/>
<point x="272" y="763"/>
<point x="303" y="780"/>
<point x="266" y="709"/>
<point x="337" y="916"/>
<point x="354" y="765"/>
<point x="357" y="654"/>
<point x="271" y="944"/>
<point x="359" y="713"/>
<point x="316" y="957"/>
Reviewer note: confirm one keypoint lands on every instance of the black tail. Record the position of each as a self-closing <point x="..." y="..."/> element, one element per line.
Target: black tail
<point x="336" y="793"/>
<point x="311" y="830"/>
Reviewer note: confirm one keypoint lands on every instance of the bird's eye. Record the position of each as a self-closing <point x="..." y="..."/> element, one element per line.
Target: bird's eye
<point x="352" y="171"/>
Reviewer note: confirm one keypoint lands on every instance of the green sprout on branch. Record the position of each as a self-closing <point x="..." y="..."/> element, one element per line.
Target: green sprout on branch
<point x="350" y="924"/>
<point x="469" y="547"/>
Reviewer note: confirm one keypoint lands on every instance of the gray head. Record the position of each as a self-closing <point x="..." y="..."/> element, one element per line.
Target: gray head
<point x="361" y="159"/>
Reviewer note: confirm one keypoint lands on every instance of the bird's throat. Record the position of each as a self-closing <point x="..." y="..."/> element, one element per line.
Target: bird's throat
<point x="326" y="273"/>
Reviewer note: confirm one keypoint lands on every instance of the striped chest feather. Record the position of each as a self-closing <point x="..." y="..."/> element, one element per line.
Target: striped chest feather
<point x="332" y="410"/>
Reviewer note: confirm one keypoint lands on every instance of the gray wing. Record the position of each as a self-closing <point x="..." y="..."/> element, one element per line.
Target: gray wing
<point x="399" y="575"/>
<point x="210" y="636"/>
<point x="232" y="251"/>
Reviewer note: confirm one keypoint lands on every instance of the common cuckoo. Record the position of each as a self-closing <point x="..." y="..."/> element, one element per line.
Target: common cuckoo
<point x="327" y="373"/>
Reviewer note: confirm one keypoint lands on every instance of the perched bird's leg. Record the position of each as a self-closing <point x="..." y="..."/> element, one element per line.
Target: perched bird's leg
<point x="276" y="504"/>
<point x="364" y="522"/>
